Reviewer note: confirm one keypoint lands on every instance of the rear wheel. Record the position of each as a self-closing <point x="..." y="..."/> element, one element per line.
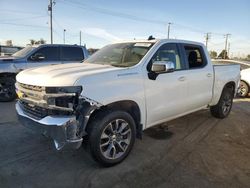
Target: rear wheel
<point x="111" y="137"/>
<point x="244" y="89"/>
<point x="223" y="107"/>
<point x="7" y="89"/>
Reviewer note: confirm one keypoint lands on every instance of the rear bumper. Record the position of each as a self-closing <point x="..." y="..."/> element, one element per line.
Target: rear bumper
<point x="61" y="129"/>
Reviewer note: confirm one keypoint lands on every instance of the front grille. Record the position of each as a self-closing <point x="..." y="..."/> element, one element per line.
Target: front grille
<point x="35" y="112"/>
<point x="29" y="91"/>
<point x="31" y="87"/>
<point x="37" y="104"/>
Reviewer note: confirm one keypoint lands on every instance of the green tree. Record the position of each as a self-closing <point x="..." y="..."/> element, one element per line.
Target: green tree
<point x="32" y="41"/>
<point x="41" y="41"/>
<point x="248" y="57"/>
<point x="213" y="54"/>
<point x="223" y="54"/>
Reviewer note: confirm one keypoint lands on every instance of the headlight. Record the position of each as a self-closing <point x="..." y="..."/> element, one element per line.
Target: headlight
<point x="66" y="89"/>
<point x="63" y="97"/>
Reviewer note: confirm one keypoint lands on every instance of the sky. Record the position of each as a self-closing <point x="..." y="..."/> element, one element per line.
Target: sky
<point x="105" y="21"/>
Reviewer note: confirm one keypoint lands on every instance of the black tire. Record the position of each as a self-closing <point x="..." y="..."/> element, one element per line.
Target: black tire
<point x="7" y="89"/>
<point x="244" y="89"/>
<point x="99" y="144"/>
<point x="223" y="107"/>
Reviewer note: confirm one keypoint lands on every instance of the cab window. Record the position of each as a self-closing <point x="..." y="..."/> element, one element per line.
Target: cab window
<point x="168" y="52"/>
<point x="194" y="57"/>
<point x="48" y="54"/>
<point x="71" y="54"/>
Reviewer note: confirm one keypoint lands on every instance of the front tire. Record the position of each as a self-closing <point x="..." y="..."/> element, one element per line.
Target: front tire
<point x="223" y="107"/>
<point x="111" y="137"/>
<point x="7" y="89"/>
<point x="244" y="89"/>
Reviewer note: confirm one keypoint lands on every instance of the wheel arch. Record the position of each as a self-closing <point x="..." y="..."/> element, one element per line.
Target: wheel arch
<point x="128" y="106"/>
<point x="248" y="84"/>
<point x="230" y="85"/>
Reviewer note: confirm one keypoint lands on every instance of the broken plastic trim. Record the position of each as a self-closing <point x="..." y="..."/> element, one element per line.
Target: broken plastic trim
<point x="85" y="108"/>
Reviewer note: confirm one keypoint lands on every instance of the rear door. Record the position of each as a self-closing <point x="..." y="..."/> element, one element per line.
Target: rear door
<point x="199" y="77"/>
<point x="71" y="54"/>
<point x="50" y="54"/>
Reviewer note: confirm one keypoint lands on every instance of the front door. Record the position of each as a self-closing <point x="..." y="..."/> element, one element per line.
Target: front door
<point x="166" y="96"/>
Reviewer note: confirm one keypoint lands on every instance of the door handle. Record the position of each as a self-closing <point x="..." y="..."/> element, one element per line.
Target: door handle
<point x="209" y="75"/>
<point x="182" y="78"/>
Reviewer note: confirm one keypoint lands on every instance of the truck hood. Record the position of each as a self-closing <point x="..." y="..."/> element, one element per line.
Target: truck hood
<point x="6" y="59"/>
<point x="61" y="75"/>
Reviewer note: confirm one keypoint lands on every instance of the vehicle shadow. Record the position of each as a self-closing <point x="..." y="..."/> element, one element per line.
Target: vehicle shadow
<point x="160" y="132"/>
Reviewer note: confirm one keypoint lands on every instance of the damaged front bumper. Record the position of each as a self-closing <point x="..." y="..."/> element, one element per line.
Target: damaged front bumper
<point x="62" y="129"/>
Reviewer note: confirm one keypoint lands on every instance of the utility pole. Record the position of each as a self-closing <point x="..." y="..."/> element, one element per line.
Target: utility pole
<point x="208" y="36"/>
<point x="80" y="37"/>
<point x="226" y="35"/>
<point x="169" y="24"/>
<point x="64" y="36"/>
<point x="51" y="25"/>
<point x="228" y="49"/>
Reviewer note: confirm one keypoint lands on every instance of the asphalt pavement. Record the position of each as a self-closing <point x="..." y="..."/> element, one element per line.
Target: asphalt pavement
<point x="196" y="150"/>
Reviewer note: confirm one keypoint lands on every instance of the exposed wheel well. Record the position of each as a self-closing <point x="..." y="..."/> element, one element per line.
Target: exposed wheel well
<point x="230" y="85"/>
<point x="128" y="106"/>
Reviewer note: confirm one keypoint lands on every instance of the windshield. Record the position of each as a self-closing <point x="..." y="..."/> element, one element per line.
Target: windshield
<point x="121" y="55"/>
<point x="23" y="52"/>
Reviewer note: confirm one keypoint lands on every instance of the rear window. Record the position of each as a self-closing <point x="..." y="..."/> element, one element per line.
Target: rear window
<point x="71" y="54"/>
<point x="195" y="57"/>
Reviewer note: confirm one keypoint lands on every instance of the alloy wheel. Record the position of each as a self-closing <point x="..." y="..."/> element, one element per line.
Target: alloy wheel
<point x="115" y="139"/>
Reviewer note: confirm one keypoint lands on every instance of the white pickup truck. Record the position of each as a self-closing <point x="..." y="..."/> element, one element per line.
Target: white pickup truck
<point x="121" y="90"/>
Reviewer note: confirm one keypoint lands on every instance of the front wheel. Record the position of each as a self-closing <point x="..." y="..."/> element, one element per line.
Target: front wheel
<point x="111" y="137"/>
<point x="223" y="107"/>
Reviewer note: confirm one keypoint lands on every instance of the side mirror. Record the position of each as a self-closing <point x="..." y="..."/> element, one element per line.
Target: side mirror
<point x="37" y="57"/>
<point x="163" y="67"/>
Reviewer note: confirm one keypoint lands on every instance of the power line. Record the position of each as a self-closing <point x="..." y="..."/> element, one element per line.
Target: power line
<point x="26" y="18"/>
<point x="20" y="12"/>
<point x="24" y="25"/>
<point x="190" y="28"/>
<point x="92" y="8"/>
<point x="110" y="12"/>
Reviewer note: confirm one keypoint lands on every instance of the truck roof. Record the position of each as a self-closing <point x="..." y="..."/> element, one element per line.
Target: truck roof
<point x="160" y="40"/>
<point x="67" y="45"/>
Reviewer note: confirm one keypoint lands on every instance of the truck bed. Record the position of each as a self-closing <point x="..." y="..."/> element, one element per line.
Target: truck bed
<point x="222" y="75"/>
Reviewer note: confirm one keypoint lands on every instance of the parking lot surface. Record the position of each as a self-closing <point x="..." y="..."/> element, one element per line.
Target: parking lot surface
<point x="195" y="151"/>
